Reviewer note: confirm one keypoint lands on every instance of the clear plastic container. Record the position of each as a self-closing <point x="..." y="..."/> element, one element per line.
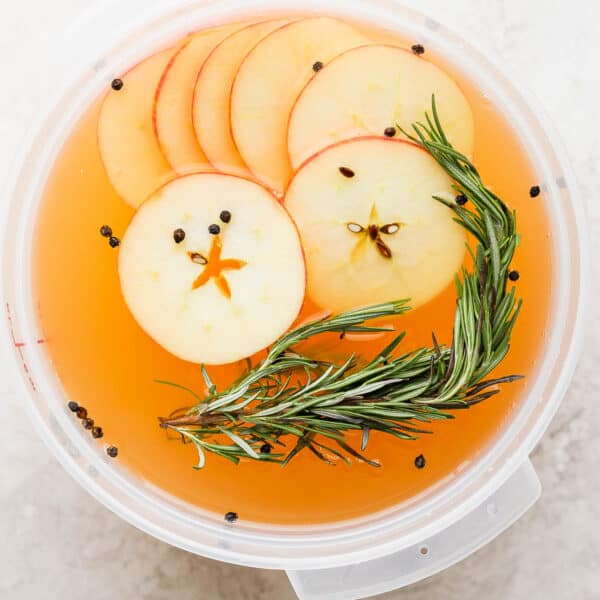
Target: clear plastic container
<point x="342" y="560"/>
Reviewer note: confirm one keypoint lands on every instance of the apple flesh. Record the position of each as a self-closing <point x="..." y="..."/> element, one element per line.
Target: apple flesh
<point x="218" y="297"/>
<point x="375" y="233"/>
<point x="172" y="116"/>
<point x="266" y="86"/>
<point x="128" y="147"/>
<point x="365" y="90"/>
<point x="213" y="91"/>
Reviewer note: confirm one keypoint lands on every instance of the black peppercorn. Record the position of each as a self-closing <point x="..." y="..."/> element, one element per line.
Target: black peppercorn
<point x="418" y="49"/>
<point x="117" y="84"/>
<point x="534" y="191"/>
<point x="317" y="66"/>
<point x="420" y="461"/>
<point x="265" y="449"/>
<point x="389" y="131"/>
<point x="214" y="229"/>
<point x="73" y="406"/>
<point x="113" y="241"/>
<point x="87" y="423"/>
<point x="105" y="231"/>
<point x="231" y="517"/>
<point x="514" y="275"/>
<point x="346" y="172"/>
<point x="81" y="412"/>
<point x="97" y="432"/>
<point x="461" y="199"/>
<point x="225" y="216"/>
<point x="112" y="451"/>
<point x="179" y="235"/>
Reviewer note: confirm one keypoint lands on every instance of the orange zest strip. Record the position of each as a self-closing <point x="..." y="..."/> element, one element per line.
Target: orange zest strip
<point x="216" y="266"/>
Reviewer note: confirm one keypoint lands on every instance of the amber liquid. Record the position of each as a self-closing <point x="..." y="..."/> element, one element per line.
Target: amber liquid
<point x="107" y="363"/>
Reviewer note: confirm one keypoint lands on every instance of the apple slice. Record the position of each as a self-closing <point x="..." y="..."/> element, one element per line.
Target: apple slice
<point x="173" y="122"/>
<point x="365" y="90"/>
<point x="266" y="86"/>
<point x="370" y="228"/>
<point x="212" y="268"/>
<point x="213" y="91"/>
<point x="130" y="152"/>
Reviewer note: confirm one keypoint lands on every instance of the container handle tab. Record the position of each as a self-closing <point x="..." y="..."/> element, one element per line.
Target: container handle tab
<point x="432" y="555"/>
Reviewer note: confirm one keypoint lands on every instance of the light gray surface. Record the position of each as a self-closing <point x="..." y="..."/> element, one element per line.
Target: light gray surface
<point x="56" y="542"/>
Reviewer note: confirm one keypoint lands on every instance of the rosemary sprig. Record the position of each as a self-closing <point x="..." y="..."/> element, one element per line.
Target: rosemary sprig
<point x="290" y="396"/>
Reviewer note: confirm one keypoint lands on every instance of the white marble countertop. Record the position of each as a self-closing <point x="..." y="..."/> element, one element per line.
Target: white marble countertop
<point x="56" y="542"/>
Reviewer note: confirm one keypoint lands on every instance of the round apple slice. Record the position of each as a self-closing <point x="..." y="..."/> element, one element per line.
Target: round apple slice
<point x="266" y="86"/>
<point x="129" y="149"/>
<point x="368" y="89"/>
<point x="370" y="228"/>
<point x="173" y="122"/>
<point x="212" y="95"/>
<point x="212" y="268"/>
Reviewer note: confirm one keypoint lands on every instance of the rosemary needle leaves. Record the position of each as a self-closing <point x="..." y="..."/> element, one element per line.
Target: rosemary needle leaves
<point x="295" y="403"/>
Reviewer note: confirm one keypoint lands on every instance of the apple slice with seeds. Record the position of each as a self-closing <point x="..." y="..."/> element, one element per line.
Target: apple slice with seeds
<point x="370" y="228"/>
<point x="213" y="91"/>
<point x="266" y="86"/>
<point x="128" y="147"/>
<point x="212" y="268"/>
<point x="172" y="116"/>
<point x="368" y="89"/>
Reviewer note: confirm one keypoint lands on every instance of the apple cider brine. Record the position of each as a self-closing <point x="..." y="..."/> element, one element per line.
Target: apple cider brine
<point x="280" y="274"/>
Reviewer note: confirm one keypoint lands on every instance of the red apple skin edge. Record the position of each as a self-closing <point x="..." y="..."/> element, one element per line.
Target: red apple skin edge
<point x="175" y="175"/>
<point x="187" y="39"/>
<point x="231" y="95"/>
<point x="378" y="138"/>
<point x="193" y="111"/>
<point x="123" y="75"/>
<point x="320" y="71"/>
<point x="159" y="88"/>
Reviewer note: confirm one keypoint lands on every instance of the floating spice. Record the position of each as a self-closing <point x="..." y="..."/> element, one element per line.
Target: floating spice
<point x="389" y="132"/>
<point x="420" y="461"/>
<point x="73" y="406"/>
<point x="117" y="84"/>
<point x="225" y="216"/>
<point x="317" y="66"/>
<point x="534" y="191"/>
<point x="106" y="231"/>
<point x="88" y="423"/>
<point x="347" y="172"/>
<point x="231" y="517"/>
<point x="214" y="229"/>
<point x="112" y="451"/>
<point x="514" y="275"/>
<point x="265" y="449"/>
<point x="179" y="235"/>
<point x="114" y="241"/>
<point x="461" y="199"/>
<point x="97" y="432"/>
<point x="81" y="412"/>
<point x="418" y="49"/>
